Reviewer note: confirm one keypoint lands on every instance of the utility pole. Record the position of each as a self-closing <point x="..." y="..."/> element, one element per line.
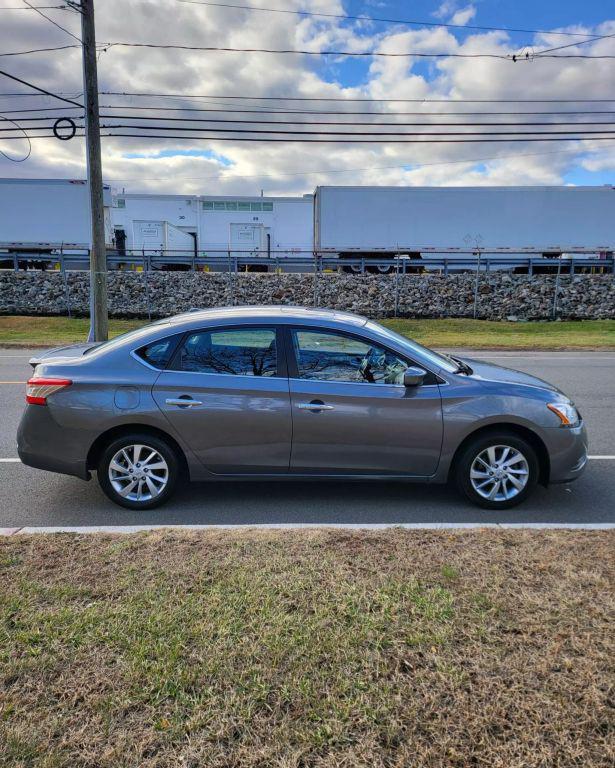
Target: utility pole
<point x="98" y="254"/>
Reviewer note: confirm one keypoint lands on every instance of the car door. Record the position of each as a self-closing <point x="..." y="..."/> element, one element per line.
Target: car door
<point x="352" y="414"/>
<point x="226" y="392"/>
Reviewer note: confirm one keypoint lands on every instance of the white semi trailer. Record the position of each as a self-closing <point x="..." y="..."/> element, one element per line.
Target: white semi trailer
<point x="171" y="227"/>
<point x="40" y="217"/>
<point x="378" y="222"/>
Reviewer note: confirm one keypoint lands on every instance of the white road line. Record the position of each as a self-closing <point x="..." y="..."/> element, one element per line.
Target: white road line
<point x="10" y="461"/>
<point x="123" y="529"/>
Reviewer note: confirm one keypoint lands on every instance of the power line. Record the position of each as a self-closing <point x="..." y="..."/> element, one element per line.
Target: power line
<point x="388" y="124"/>
<point x="352" y="99"/>
<point x="349" y="54"/>
<point x="28" y="153"/>
<point x="51" y="21"/>
<point x="40" y="50"/>
<point x="347" y="140"/>
<point x="351" y="133"/>
<point x="301" y="52"/>
<point x="411" y="22"/>
<point x="40" y="90"/>
<point x="344" y="113"/>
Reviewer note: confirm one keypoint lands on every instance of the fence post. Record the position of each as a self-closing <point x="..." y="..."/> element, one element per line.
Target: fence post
<point x="64" y="280"/>
<point x="316" y="267"/>
<point x="231" y="287"/>
<point x="555" y="293"/>
<point x="147" y="299"/>
<point x="477" y="253"/>
<point x="397" y="286"/>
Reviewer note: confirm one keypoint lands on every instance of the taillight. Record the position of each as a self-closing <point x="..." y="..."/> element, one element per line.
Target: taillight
<point x="39" y="389"/>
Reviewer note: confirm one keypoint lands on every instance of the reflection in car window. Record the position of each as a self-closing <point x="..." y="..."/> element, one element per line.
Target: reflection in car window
<point x="239" y="352"/>
<point x="158" y="353"/>
<point x="337" y="357"/>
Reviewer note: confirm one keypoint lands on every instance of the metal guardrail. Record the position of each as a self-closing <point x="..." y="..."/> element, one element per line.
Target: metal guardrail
<point x="311" y="262"/>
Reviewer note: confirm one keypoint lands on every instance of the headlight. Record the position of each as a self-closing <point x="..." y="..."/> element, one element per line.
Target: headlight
<point x="566" y="412"/>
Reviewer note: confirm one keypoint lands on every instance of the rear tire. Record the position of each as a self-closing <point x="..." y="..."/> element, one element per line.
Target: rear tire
<point x="138" y="471"/>
<point x="497" y="471"/>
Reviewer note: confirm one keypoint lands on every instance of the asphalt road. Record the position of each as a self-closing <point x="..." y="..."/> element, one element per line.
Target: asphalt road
<point x="30" y="497"/>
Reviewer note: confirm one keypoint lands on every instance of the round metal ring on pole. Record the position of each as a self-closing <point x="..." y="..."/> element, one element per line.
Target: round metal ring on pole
<point x="62" y="124"/>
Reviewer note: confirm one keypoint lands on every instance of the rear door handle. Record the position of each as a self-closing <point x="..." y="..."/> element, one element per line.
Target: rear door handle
<point x="315" y="405"/>
<point x="183" y="402"/>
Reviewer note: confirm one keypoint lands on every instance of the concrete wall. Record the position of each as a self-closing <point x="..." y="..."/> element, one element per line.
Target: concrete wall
<point x="165" y="293"/>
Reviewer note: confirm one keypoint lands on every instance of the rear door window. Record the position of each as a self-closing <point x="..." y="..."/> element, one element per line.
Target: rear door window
<point x="235" y="351"/>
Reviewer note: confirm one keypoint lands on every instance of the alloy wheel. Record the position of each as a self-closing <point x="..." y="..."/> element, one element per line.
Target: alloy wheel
<point x="138" y="472"/>
<point x="499" y="473"/>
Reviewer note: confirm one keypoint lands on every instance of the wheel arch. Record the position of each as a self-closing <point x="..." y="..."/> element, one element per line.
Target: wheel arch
<point x="519" y="430"/>
<point x="101" y="442"/>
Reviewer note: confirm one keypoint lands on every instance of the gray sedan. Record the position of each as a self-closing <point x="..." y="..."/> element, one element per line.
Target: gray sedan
<point x="280" y="393"/>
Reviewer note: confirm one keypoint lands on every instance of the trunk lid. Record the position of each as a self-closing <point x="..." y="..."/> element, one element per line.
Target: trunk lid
<point x="62" y="354"/>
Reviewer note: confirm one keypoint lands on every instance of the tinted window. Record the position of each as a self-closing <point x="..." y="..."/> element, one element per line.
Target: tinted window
<point x="240" y="352"/>
<point x="337" y="357"/>
<point x="160" y="352"/>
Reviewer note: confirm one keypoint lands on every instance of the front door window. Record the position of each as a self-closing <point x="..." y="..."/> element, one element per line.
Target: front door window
<point x="326" y="356"/>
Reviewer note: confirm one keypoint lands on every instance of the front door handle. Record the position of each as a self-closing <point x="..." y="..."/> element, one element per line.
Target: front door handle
<point x="315" y="405"/>
<point x="183" y="402"/>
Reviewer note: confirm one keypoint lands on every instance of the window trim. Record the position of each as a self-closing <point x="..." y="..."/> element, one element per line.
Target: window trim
<point x="293" y="367"/>
<point x="281" y="366"/>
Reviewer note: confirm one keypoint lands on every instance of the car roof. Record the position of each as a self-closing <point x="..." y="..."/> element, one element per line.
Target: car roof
<point x="273" y="314"/>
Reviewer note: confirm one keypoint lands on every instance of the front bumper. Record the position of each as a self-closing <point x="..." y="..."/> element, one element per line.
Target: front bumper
<point x="568" y="448"/>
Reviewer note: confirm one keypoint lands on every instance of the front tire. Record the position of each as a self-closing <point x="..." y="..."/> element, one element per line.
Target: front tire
<point x="497" y="471"/>
<point x="138" y="471"/>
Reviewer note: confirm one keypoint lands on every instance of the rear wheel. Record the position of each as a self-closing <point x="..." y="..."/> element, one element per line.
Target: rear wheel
<point x="138" y="471"/>
<point x="497" y="471"/>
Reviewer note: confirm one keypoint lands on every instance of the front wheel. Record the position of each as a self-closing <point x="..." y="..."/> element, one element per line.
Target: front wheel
<point x="138" y="471"/>
<point x="497" y="471"/>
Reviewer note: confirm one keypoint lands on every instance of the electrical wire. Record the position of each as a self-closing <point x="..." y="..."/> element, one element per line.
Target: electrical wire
<point x="349" y="54"/>
<point x="28" y="153"/>
<point x="382" y="134"/>
<point x="51" y="21"/>
<point x="387" y="124"/>
<point x="387" y="21"/>
<point x="293" y="51"/>
<point x="348" y="113"/>
<point x="40" y="90"/>
<point x="347" y="140"/>
<point x="350" y="99"/>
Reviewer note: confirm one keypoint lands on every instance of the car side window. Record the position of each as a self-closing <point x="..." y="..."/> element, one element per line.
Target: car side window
<point x="159" y="353"/>
<point x="238" y="352"/>
<point x="329" y="356"/>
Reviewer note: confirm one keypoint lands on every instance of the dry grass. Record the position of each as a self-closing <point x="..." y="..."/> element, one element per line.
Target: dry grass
<point x="311" y="648"/>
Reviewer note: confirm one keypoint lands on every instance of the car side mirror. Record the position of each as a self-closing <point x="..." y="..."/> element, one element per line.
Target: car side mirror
<point x="413" y="377"/>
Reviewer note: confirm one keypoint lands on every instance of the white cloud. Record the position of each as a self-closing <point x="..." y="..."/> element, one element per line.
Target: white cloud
<point x="290" y="168"/>
<point x="463" y="15"/>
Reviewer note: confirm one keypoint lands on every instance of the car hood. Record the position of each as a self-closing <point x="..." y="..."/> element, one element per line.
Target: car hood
<point x="499" y="374"/>
<point x="69" y="352"/>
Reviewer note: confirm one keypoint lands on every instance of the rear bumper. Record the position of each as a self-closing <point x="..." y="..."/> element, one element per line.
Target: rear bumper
<point x="43" y="444"/>
<point x="568" y="453"/>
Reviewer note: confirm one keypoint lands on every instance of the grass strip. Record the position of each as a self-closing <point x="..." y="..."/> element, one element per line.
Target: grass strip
<point x="477" y="334"/>
<point x="307" y="648"/>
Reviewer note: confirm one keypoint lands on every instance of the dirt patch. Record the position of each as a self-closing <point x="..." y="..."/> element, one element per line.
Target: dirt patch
<point x="311" y="648"/>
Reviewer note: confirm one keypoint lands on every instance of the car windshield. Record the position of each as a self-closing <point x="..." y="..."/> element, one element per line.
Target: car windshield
<point x="117" y="341"/>
<point x="441" y="361"/>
